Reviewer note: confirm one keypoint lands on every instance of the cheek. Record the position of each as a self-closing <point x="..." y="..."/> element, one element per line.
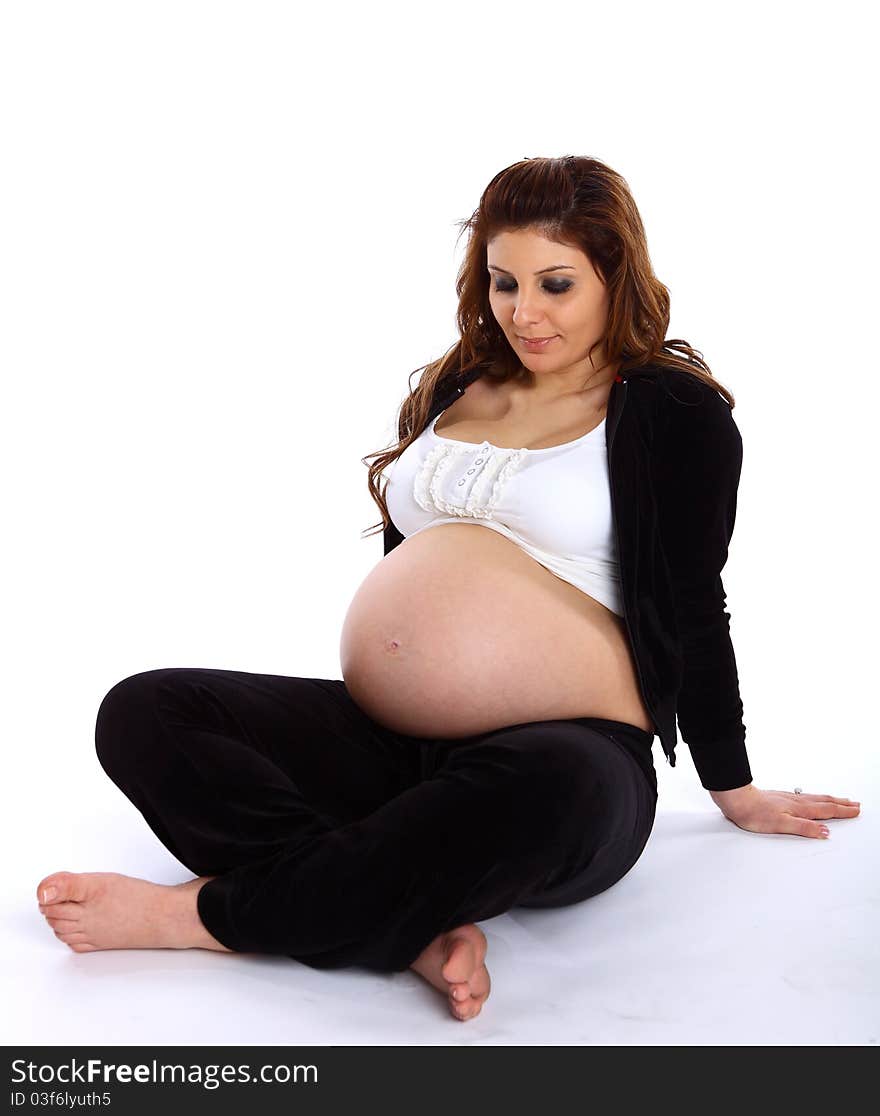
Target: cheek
<point x="585" y="318"/>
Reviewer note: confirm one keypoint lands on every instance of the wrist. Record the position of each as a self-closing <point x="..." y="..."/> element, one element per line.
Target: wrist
<point x="728" y="799"/>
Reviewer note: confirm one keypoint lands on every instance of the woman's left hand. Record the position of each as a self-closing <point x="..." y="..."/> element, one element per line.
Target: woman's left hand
<point x="769" y="811"/>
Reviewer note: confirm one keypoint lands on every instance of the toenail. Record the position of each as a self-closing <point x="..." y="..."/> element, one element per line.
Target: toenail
<point x="49" y="894"/>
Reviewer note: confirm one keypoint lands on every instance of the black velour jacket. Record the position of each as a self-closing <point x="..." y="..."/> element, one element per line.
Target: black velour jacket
<point x="674" y="461"/>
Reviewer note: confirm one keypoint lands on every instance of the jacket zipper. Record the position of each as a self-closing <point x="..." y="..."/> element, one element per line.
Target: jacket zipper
<point x="641" y="679"/>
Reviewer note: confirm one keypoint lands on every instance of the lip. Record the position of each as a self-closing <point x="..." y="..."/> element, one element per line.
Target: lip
<point x="536" y="342"/>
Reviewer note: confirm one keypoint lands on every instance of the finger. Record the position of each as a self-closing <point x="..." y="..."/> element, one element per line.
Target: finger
<point x="805" y="827"/>
<point x="826" y="810"/>
<point x="824" y="798"/>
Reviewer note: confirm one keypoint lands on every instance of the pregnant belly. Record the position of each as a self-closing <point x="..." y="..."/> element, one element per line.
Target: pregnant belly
<point x="458" y="631"/>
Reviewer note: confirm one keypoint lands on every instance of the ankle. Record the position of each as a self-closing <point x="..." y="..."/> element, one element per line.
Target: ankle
<point x="190" y="931"/>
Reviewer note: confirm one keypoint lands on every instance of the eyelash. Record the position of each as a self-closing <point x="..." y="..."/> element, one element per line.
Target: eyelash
<point x="551" y="290"/>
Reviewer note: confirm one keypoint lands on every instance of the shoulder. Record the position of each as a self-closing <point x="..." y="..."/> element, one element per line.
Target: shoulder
<point x="683" y="407"/>
<point x="682" y="390"/>
<point x="695" y="431"/>
<point x="675" y="387"/>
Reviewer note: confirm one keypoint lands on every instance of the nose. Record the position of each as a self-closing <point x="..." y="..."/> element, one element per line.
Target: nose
<point x="523" y="315"/>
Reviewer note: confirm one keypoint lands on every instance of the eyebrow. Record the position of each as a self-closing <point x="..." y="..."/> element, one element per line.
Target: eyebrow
<point x="555" y="267"/>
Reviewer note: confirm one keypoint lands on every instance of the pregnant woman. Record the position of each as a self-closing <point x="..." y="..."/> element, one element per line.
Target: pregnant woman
<point x="556" y="514"/>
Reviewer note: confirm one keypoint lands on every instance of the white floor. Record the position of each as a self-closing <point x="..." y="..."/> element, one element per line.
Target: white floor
<point x="716" y="936"/>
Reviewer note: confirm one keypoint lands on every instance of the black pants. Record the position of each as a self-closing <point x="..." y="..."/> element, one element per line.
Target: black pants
<point x="338" y="842"/>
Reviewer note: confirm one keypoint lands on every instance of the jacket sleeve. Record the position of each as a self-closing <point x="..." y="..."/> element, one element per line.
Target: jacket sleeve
<point x="698" y="468"/>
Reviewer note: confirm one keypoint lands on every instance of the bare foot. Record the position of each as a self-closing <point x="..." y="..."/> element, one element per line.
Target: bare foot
<point x="106" y="910"/>
<point x="454" y="963"/>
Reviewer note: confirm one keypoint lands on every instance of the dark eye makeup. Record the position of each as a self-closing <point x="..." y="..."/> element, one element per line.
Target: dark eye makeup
<point x="557" y="287"/>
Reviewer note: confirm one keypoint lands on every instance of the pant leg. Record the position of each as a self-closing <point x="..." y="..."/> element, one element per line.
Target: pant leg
<point x="626" y="768"/>
<point x="479" y="826"/>
<point x="226" y="766"/>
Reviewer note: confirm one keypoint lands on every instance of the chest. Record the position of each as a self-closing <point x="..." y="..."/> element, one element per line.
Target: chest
<point x="492" y="413"/>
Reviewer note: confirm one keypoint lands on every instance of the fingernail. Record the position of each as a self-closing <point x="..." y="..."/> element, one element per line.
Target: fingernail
<point x="49" y="894"/>
<point x="824" y="829"/>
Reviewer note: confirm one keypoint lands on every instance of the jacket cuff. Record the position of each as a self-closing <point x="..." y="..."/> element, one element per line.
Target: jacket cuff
<point x="723" y="765"/>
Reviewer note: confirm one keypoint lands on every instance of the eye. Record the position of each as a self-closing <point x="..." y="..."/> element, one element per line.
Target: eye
<point x="554" y="286"/>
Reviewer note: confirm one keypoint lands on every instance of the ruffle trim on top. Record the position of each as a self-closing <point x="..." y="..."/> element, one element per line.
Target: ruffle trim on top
<point x="429" y="479"/>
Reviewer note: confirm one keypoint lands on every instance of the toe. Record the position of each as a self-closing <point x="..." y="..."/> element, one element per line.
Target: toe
<point x="61" y="910"/>
<point x="460" y="962"/>
<point x="480" y="983"/>
<point x="467" y="1010"/>
<point x="70" y="935"/>
<point x="78" y="945"/>
<point x="466" y="1000"/>
<point x="58" y="887"/>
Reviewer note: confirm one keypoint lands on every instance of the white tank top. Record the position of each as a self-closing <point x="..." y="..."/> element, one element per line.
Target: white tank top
<point x="554" y="503"/>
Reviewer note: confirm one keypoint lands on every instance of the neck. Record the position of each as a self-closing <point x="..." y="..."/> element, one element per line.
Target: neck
<point x="549" y="386"/>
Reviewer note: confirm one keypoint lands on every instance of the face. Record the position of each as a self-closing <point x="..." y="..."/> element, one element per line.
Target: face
<point x="540" y="288"/>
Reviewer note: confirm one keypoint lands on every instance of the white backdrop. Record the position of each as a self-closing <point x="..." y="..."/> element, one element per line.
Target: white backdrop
<point x="228" y="236"/>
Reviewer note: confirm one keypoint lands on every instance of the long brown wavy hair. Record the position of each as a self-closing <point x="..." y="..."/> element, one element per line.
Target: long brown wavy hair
<point x="577" y="201"/>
